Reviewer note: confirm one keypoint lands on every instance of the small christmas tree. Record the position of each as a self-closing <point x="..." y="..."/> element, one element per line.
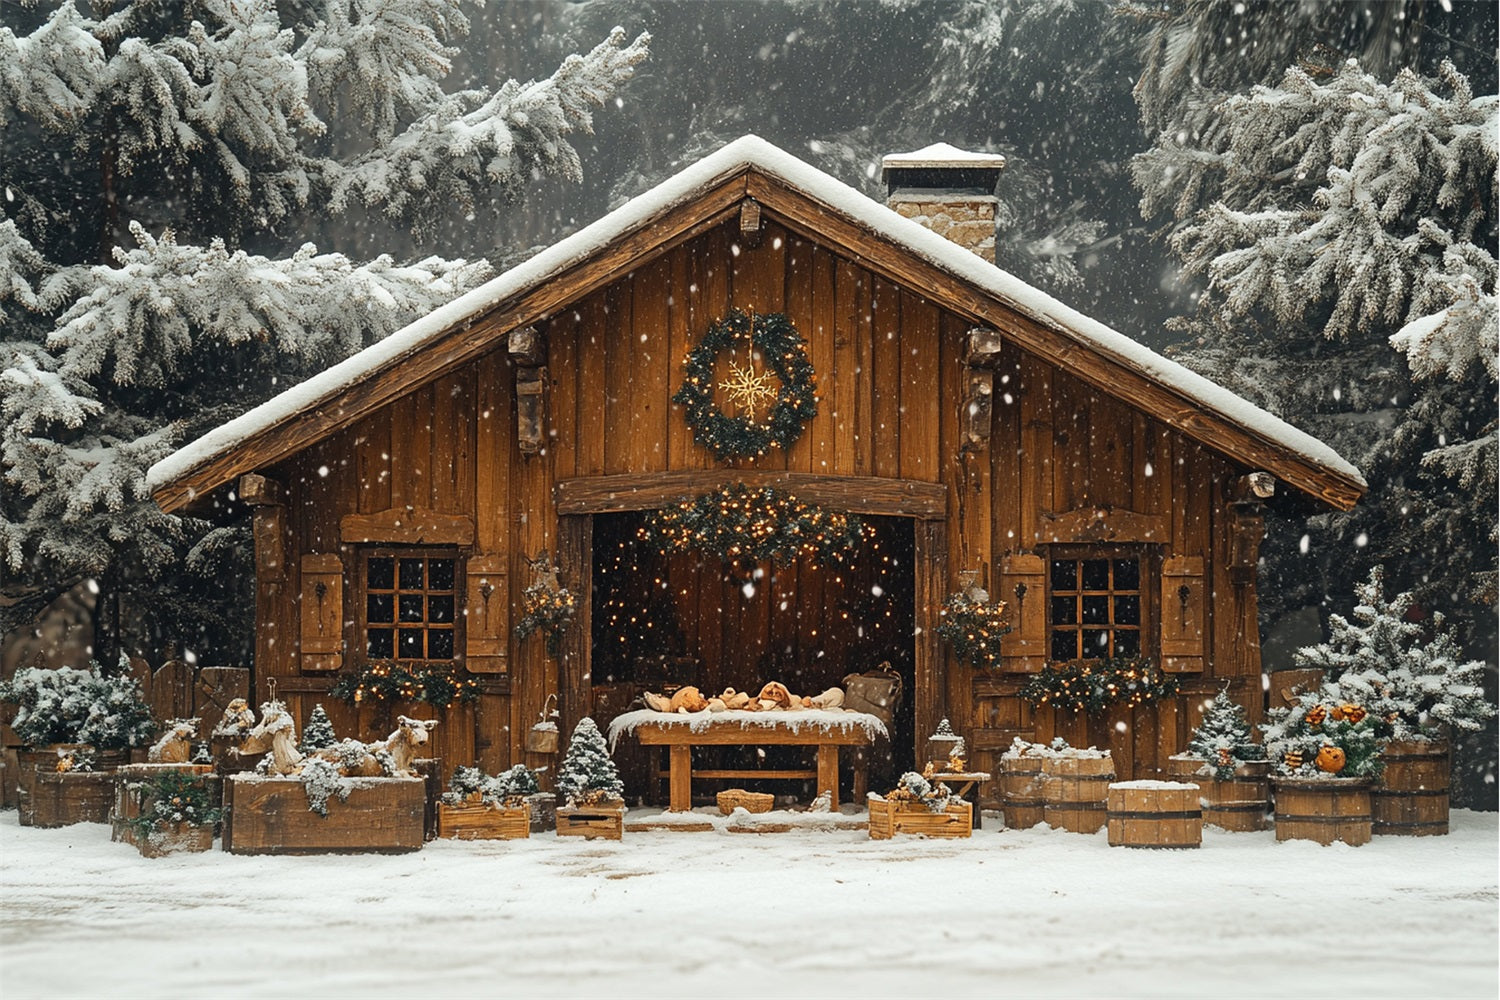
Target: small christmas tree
<point x="318" y="733"/>
<point x="1223" y="738"/>
<point x="1382" y="665"/>
<point x="588" y="775"/>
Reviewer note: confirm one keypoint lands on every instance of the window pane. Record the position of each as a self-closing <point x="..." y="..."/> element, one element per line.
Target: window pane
<point x="440" y="644"/>
<point x="411" y="574"/>
<point x="380" y="573"/>
<point x="380" y="608"/>
<point x="411" y="607"/>
<point x="1096" y="574"/>
<point x="1064" y="644"/>
<point x="440" y="574"/>
<point x="1127" y="642"/>
<point x="1095" y="642"/>
<point x="411" y="644"/>
<point x="380" y="643"/>
<point x="1127" y="574"/>
<point x="1064" y="574"/>
<point x="1128" y="610"/>
<point x="440" y="609"/>
<point x="1064" y="611"/>
<point x="1096" y="610"/>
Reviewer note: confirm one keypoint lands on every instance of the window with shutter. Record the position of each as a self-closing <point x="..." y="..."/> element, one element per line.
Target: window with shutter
<point x="410" y="607"/>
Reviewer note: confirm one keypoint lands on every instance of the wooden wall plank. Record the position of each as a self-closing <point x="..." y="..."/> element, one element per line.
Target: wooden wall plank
<point x="821" y="333"/>
<point x="649" y="390"/>
<point x="619" y="424"/>
<point x="886" y="379"/>
<point x="919" y="403"/>
<point x="800" y="310"/>
<point x="563" y="423"/>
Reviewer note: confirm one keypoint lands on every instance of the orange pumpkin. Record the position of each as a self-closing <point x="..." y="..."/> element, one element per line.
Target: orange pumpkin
<point x="1316" y="715"/>
<point x="1331" y="760"/>
<point x="1353" y="713"/>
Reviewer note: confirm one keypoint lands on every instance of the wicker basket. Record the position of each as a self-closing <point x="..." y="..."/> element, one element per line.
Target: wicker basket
<point x="737" y="798"/>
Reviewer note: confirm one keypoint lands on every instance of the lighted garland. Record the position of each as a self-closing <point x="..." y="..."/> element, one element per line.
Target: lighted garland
<point x="796" y="403"/>
<point x="974" y="629"/>
<point x="740" y="524"/>
<point x="441" y="687"/>
<point x="546" y="610"/>
<point x="1092" y="686"/>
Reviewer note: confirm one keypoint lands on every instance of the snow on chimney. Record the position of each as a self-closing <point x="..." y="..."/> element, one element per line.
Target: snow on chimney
<point x="949" y="190"/>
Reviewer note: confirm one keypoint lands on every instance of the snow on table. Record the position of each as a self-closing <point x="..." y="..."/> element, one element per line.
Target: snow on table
<point x="822" y="719"/>
<point x="815" y="913"/>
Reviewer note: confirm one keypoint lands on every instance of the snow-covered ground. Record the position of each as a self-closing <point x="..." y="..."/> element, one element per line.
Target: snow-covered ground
<point x="1013" y="913"/>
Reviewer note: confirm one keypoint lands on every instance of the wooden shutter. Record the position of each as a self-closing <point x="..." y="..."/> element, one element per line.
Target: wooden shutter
<point x="322" y="611"/>
<point x="1182" y="611"/>
<point x="1024" y="648"/>
<point x="486" y="614"/>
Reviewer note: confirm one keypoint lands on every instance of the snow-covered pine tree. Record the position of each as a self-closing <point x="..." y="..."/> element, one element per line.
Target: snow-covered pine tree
<point x="156" y="164"/>
<point x="1411" y="685"/>
<point x="318" y="733"/>
<point x="587" y="774"/>
<point x="1223" y="739"/>
<point x="1326" y="213"/>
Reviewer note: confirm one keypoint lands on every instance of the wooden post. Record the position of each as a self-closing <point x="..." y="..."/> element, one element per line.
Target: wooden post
<point x="575" y="535"/>
<point x="930" y="666"/>
<point x="680" y="788"/>
<point x="269" y="532"/>
<point x="828" y="774"/>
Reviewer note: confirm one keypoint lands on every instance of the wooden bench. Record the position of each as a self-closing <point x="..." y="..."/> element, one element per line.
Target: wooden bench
<point x="680" y="738"/>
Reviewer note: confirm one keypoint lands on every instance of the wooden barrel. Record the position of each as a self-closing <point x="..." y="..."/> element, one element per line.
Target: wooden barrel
<point x="1410" y="799"/>
<point x="1241" y="804"/>
<point x="42" y="800"/>
<point x="125" y="804"/>
<point x="1021" y="791"/>
<point x="1323" y="809"/>
<point x="1154" y="814"/>
<point x="1075" y="792"/>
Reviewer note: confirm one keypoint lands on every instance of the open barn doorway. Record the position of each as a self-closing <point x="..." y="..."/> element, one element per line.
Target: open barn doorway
<point x="661" y="622"/>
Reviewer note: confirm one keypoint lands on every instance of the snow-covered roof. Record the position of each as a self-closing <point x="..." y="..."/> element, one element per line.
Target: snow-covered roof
<point x="941" y="154"/>
<point x="749" y="152"/>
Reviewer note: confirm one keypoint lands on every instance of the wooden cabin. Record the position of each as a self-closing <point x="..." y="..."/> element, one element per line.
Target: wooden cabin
<point x="983" y="431"/>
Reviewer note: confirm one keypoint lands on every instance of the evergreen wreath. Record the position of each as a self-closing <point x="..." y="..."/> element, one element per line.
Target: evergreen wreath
<point x="974" y="629"/>
<point x="441" y="687"/>
<point x="1093" y="686"/>
<point x="796" y="402"/>
<point x="744" y="525"/>
<point x="549" y="611"/>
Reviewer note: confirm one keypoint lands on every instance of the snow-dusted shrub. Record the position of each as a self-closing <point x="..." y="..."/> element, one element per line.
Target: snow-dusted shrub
<point x="69" y="705"/>
<point x="1223" y="740"/>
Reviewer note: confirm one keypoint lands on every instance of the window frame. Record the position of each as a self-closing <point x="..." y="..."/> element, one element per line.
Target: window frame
<point x="1149" y="558"/>
<point x="361" y="589"/>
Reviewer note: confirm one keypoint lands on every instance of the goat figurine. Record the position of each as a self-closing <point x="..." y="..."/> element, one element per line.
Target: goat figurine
<point x="176" y="744"/>
<point x="391" y="757"/>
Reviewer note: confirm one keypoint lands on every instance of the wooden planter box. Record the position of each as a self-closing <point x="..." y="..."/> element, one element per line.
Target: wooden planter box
<point x="1154" y="814"/>
<point x="129" y="794"/>
<point x="178" y="838"/>
<point x="270" y="816"/>
<point x="1410" y="799"/>
<point x="1323" y="809"/>
<point x="475" y="820"/>
<point x="606" y="821"/>
<point x="1021" y="791"/>
<point x="1075" y="792"/>
<point x="889" y="818"/>
<point x="47" y="797"/>
<point x="1241" y="804"/>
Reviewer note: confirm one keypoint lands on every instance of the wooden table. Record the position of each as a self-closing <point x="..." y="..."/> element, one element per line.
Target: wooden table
<point x="966" y="781"/>
<point x="680" y="738"/>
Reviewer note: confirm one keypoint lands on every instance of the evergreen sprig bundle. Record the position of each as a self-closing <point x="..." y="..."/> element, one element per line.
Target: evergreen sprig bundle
<point x="1097" y="685"/>
<point x="548" y="610"/>
<point x="509" y="788"/>
<point x="588" y="776"/>
<point x="1410" y="684"/>
<point x="1319" y="737"/>
<point x="69" y="705"/>
<point x="743" y="524"/>
<point x="442" y="687"/>
<point x="318" y="734"/>
<point x="175" y="797"/>
<point x="974" y="629"/>
<point x="778" y="341"/>
<point x="1223" y="739"/>
<point x="915" y="789"/>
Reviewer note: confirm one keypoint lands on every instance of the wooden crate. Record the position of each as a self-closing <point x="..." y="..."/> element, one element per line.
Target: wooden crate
<point x="50" y="799"/>
<point x="1410" y="799"/>
<point x="270" y="816"/>
<point x="179" y="838"/>
<point x="889" y="818"/>
<point x="1154" y="814"/>
<point x="1075" y="792"/>
<point x="737" y="798"/>
<point x="129" y="794"/>
<point x="604" y="821"/>
<point x="1323" y="809"/>
<point x="1241" y="804"/>
<point x="474" y="820"/>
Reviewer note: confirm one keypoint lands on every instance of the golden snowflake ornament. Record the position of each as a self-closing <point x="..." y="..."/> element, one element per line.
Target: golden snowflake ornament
<point x="749" y="389"/>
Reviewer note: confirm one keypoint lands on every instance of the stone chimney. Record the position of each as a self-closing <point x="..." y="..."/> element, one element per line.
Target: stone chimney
<point x="949" y="190"/>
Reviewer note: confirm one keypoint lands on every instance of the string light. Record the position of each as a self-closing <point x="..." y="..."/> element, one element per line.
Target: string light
<point x="441" y="687"/>
<point x="1095" y="685"/>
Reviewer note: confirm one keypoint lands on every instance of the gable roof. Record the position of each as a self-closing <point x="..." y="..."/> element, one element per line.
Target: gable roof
<point x="690" y="202"/>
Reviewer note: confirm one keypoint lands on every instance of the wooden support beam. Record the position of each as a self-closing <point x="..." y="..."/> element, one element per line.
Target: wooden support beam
<point x="978" y="404"/>
<point x="851" y="494"/>
<point x="531" y="410"/>
<point x="527" y="346"/>
<point x="261" y="491"/>
<point x="750" y="222"/>
<point x="983" y="347"/>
